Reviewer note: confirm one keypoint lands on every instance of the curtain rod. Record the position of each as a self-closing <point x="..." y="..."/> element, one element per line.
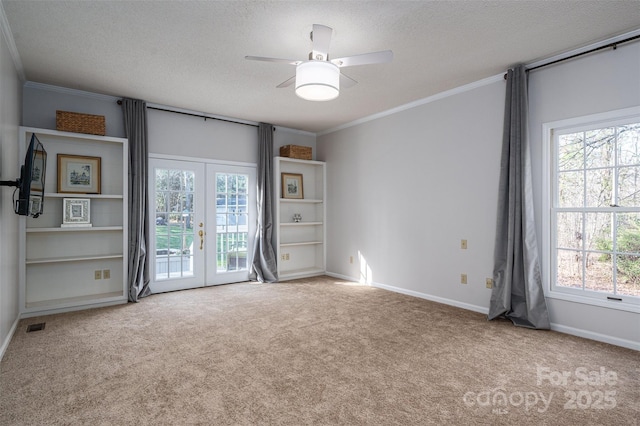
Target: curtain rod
<point x="197" y="115"/>
<point x="614" y="45"/>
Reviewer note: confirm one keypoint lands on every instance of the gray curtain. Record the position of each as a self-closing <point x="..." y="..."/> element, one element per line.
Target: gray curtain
<point x="264" y="267"/>
<point x="517" y="292"/>
<point x="135" y="124"/>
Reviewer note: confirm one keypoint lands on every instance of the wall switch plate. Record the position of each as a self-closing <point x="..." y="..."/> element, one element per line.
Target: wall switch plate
<point x="106" y="274"/>
<point x="350" y="259"/>
<point x="463" y="278"/>
<point x="489" y="283"/>
<point x="97" y="274"/>
<point x="463" y="244"/>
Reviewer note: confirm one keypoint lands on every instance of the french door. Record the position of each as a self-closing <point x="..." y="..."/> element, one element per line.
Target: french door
<point x="202" y="223"/>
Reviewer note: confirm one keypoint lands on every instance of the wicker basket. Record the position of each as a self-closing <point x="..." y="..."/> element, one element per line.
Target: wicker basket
<point x="296" y="151"/>
<point x="80" y="123"/>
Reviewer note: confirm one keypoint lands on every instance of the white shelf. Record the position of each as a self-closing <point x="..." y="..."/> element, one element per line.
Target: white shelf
<point x="58" y="264"/>
<point x="71" y="301"/>
<point x="300" y="201"/>
<point x="74" y="195"/>
<point x="301" y="273"/>
<point x="76" y="229"/>
<point x="302" y="244"/>
<point x="74" y="258"/>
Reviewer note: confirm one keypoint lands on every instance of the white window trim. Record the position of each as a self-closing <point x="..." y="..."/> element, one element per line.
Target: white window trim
<point x="548" y="171"/>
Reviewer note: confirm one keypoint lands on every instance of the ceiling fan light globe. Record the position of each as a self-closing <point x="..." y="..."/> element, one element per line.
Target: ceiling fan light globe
<point x="317" y="81"/>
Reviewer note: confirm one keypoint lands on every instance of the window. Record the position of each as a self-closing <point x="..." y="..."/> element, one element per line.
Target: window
<point x="594" y="208"/>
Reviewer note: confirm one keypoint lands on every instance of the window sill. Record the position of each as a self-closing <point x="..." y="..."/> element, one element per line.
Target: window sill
<point x="603" y="303"/>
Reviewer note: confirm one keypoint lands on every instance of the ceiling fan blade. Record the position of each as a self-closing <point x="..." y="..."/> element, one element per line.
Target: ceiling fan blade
<point x="287" y="82"/>
<point x="262" y="58"/>
<point x="364" y="59"/>
<point x="346" y="81"/>
<point x="321" y="37"/>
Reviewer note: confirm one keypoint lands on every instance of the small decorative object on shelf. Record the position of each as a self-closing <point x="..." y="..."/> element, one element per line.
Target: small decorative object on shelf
<point x="76" y="212"/>
<point x="296" y="151"/>
<point x="78" y="174"/>
<point x="80" y="123"/>
<point x="292" y="185"/>
<point x="297" y="217"/>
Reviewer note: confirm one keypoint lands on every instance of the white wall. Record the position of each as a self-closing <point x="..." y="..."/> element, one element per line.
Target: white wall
<point x="188" y="136"/>
<point x="404" y="189"/>
<point x="605" y="81"/>
<point x="9" y="170"/>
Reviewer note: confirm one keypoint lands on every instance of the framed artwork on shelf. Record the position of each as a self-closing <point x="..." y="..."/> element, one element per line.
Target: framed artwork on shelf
<point x="76" y="212"/>
<point x="78" y="174"/>
<point x="292" y="185"/>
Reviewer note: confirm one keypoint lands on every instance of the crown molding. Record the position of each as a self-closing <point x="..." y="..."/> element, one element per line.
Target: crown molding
<point x="68" y="91"/>
<point x="11" y="44"/>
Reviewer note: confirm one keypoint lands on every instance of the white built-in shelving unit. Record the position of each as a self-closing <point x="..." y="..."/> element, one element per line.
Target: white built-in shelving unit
<point x="59" y="264"/>
<point x="300" y="246"/>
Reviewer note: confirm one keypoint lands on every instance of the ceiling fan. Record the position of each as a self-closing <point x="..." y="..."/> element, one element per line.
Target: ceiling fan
<point x="319" y="78"/>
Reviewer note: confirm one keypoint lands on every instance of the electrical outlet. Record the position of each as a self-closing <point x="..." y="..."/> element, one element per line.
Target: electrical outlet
<point x="287" y="255"/>
<point x="97" y="274"/>
<point x="489" y="283"/>
<point x="463" y="278"/>
<point x="463" y="244"/>
<point x="350" y="259"/>
<point x="106" y="274"/>
<point x="283" y="256"/>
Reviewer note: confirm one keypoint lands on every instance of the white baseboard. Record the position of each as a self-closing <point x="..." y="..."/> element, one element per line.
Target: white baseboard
<point x="629" y="344"/>
<point x="591" y="335"/>
<point x="444" y="301"/>
<point x="7" y="340"/>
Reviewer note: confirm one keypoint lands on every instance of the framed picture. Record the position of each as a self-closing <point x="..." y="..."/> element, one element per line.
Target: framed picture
<point x="78" y="174"/>
<point x="292" y="185"/>
<point x="76" y="212"/>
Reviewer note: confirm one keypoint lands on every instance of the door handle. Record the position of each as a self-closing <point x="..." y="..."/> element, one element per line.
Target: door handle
<point x="201" y="234"/>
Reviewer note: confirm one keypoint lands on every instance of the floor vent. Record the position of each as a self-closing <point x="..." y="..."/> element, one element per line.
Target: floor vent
<point x="35" y="327"/>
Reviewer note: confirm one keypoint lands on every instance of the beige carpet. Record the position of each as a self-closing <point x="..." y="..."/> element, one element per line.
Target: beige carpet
<point x="316" y="351"/>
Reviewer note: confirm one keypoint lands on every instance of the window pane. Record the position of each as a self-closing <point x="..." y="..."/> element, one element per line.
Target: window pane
<point x="629" y="144"/>
<point x="600" y="187"/>
<point x="569" y="269"/>
<point x="569" y="227"/>
<point x="599" y="148"/>
<point x="629" y="186"/>
<point x="628" y="235"/>
<point x="571" y="189"/>
<point x="242" y="184"/>
<point x="599" y="272"/>
<point x="162" y="177"/>
<point x="570" y="151"/>
<point x="628" y="275"/>
<point x="599" y="230"/>
<point x="221" y="183"/>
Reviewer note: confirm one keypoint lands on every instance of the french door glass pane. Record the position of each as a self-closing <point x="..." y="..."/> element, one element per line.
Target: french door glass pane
<point x="231" y="221"/>
<point x="174" y="223"/>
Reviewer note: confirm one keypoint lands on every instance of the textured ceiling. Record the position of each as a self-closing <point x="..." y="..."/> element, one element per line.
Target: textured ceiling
<point x="191" y="54"/>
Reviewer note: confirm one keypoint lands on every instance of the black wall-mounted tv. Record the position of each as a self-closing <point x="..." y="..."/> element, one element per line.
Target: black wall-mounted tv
<point x="30" y="185"/>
